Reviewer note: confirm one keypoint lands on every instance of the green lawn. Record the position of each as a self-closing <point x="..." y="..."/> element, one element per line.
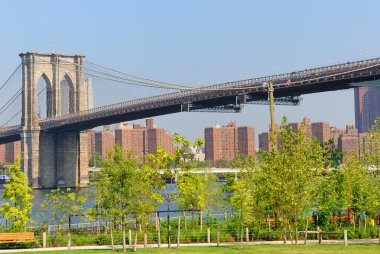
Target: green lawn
<point x="257" y="249"/>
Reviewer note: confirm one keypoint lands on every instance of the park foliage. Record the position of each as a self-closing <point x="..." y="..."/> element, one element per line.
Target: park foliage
<point x="301" y="183"/>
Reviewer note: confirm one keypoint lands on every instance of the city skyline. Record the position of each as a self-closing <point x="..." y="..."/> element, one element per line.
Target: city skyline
<point x="168" y="43"/>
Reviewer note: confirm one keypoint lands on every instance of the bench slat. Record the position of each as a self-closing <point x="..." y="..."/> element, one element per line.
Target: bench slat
<point x="24" y="236"/>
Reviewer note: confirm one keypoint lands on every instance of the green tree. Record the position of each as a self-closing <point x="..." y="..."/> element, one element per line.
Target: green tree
<point x="95" y="160"/>
<point x="288" y="173"/>
<point x="146" y="197"/>
<point x="244" y="198"/>
<point x="126" y="193"/>
<point x="121" y="170"/>
<point x="106" y="199"/>
<point x="60" y="205"/>
<point x="359" y="187"/>
<point x="329" y="198"/>
<point x="198" y="191"/>
<point x="17" y="207"/>
<point x="162" y="160"/>
<point x="198" y="143"/>
<point x="370" y="157"/>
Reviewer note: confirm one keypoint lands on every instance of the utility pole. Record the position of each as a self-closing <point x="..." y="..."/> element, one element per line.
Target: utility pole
<point x="271" y="106"/>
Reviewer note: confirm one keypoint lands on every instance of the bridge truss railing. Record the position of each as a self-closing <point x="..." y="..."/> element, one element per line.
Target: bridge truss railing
<point x="334" y="72"/>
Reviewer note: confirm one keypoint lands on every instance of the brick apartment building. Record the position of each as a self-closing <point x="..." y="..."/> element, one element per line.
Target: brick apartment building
<point x="349" y="141"/>
<point x="9" y="152"/>
<point x="321" y="131"/>
<point x="104" y="141"/>
<point x="264" y="142"/>
<point x="2" y="153"/>
<point x="137" y="139"/>
<point x="12" y="151"/>
<point x="224" y="142"/>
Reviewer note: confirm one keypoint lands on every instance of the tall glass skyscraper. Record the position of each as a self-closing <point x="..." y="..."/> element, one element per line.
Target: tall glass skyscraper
<point x="367" y="107"/>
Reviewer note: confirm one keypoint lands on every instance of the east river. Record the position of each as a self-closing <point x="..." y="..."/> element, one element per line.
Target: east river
<point x="39" y="196"/>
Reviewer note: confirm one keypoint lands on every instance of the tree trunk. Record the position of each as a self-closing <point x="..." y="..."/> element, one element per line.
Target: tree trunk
<point x="307" y="225"/>
<point x="169" y="244"/>
<point x="192" y="219"/>
<point x="123" y="229"/>
<point x="69" y="241"/>
<point x="296" y="231"/>
<point x="159" y="233"/>
<point x="201" y="219"/>
<point x="185" y="220"/>
<point x="290" y="234"/>
<point x="112" y="243"/>
<point x="218" y="238"/>
<point x="135" y="242"/>
<point x="156" y="221"/>
<point x="179" y="231"/>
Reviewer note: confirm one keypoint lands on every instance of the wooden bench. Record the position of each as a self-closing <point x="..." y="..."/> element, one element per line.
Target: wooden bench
<point x="27" y="237"/>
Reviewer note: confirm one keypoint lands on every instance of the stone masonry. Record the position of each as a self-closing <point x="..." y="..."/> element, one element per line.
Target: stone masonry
<point x="52" y="159"/>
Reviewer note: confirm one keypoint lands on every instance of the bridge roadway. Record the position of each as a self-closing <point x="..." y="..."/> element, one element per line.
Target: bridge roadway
<point x="227" y="96"/>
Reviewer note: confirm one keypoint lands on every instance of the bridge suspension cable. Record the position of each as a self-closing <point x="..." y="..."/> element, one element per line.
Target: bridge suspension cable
<point x="19" y="112"/>
<point x="250" y="83"/>
<point x="13" y="73"/>
<point x="10" y="101"/>
<point x="131" y="80"/>
<point x="135" y="78"/>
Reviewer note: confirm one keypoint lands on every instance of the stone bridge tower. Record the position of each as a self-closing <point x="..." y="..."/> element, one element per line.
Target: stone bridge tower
<point x="52" y="159"/>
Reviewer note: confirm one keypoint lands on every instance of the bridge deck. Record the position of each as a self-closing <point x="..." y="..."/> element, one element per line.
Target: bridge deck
<point x="329" y="78"/>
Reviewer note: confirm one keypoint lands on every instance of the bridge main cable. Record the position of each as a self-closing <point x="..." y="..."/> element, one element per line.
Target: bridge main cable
<point x="13" y="73"/>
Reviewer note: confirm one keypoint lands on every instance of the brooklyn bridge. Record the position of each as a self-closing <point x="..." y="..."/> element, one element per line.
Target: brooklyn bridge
<point x="52" y="104"/>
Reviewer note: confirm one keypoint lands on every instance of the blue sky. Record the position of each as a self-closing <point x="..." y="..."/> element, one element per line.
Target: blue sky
<point x="202" y="42"/>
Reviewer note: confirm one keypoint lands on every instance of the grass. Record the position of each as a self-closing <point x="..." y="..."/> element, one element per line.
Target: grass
<point x="257" y="249"/>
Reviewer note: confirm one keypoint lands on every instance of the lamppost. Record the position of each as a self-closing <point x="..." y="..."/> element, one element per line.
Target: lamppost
<point x="270" y="90"/>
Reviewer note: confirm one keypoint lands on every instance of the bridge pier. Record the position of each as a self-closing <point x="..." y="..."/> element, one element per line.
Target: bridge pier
<point x="71" y="159"/>
<point x="52" y="159"/>
<point x="30" y="140"/>
<point x="55" y="159"/>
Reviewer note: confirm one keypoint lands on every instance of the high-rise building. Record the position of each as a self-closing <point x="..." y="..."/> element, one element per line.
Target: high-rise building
<point x="223" y="142"/>
<point x="12" y="151"/>
<point x="246" y="140"/>
<point x="305" y="125"/>
<point x="90" y="143"/>
<point x="349" y="141"/>
<point x="220" y="142"/>
<point x="2" y="153"/>
<point x="104" y="141"/>
<point x="143" y="140"/>
<point x="157" y="137"/>
<point x="335" y="134"/>
<point x="264" y="142"/>
<point x="321" y="131"/>
<point x="367" y="107"/>
<point x="213" y="143"/>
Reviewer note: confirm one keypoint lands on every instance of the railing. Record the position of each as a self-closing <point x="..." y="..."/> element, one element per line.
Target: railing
<point x="332" y="72"/>
<point x="184" y="96"/>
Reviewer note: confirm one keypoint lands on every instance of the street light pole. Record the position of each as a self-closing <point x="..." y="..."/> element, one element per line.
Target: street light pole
<point x="271" y="106"/>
